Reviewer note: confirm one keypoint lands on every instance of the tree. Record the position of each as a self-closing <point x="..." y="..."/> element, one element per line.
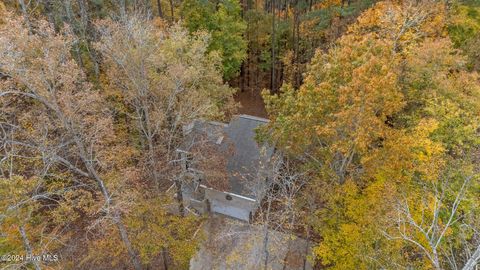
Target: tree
<point x="435" y="230"/>
<point x="162" y="79"/>
<point x="226" y="26"/>
<point x="156" y="231"/>
<point x="167" y="79"/>
<point x="64" y="106"/>
<point x="94" y="149"/>
<point x="279" y="211"/>
<point x="379" y="114"/>
<point x="464" y="30"/>
<point x="159" y="6"/>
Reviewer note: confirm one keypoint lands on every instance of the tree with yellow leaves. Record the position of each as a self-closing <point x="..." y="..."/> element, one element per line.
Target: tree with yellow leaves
<point x="384" y="119"/>
<point x="166" y="79"/>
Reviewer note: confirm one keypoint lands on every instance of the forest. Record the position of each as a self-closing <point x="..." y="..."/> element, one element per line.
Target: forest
<point x="373" y="111"/>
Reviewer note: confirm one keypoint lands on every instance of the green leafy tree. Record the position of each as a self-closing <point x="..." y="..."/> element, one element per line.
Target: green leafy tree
<point x="464" y="30"/>
<point x="223" y="20"/>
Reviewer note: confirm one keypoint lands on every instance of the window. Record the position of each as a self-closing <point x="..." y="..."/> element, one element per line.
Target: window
<point x="228" y="197"/>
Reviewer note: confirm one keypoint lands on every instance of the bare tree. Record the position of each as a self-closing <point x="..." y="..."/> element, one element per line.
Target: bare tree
<point x="473" y="261"/>
<point x="67" y="106"/>
<point x="28" y="248"/>
<point x="431" y="226"/>
<point x="168" y="79"/>
<point x="278" y="211"/>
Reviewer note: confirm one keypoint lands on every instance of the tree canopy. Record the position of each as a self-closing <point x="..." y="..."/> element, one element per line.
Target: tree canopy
<point x="373" y="109"/>
<point x="223" y="20"/>
<point x="387" y="119"/>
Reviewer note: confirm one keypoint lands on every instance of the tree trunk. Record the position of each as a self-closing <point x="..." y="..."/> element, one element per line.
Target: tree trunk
<point x="285" y="259"/>
<point x="117" y="218"/>
<point x="181" y="207"/>
<point x="152" y="161"/>
<point x="83" y="16"/>
<point x="266" y="238"/>
<point x="144" y="117"/>
<point x="473" y="261"/>
<point x="160" y="12"/>
<point x="123" y="9"/>
<point x="242" y="77"/>
<point x="164" y="258"/>
<point x="257" y="72"/>
<point x="28" y="248"/>
<point x="247" y="73"/>
<point x="171" y="11"/>
<point x="436" y="262"/>
<point x="306" y="248"/>
<point x="86" y="34"/>
<point x="25" y="14"/>
<point x="76" y="47"/>
<point x="296" y="38"/>
<point x="246" y="63"/>
<point x="272" y="77"/>
<point x="124" y="235"/>
<point x="148" y="8"/>
<point x="265" y="247"/>
<point x="48" y="10"/>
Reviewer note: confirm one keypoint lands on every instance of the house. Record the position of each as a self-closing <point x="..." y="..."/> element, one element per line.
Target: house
<point x="224" y="169"/>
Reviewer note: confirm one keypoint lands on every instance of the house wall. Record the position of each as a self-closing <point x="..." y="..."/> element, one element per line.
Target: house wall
<point x="200" y="206"/>
<point x="194" y="199"/>
<point x="237" y="207"/>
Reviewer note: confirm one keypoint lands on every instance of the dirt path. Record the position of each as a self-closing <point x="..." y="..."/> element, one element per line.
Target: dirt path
<point x="251" y="103"/>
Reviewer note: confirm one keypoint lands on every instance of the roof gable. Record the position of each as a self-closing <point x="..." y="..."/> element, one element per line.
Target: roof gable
<point x="244" y="157"/>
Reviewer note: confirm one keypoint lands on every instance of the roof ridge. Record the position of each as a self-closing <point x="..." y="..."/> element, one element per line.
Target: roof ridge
<point x="217" y="123"/>
<point x="256" y="118"/>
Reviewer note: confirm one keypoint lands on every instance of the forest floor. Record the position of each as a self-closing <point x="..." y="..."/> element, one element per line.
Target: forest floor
<point x="251" y="103"/>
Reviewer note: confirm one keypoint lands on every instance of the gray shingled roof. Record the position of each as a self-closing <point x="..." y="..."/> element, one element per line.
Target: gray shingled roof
<point x="245" y="157"/>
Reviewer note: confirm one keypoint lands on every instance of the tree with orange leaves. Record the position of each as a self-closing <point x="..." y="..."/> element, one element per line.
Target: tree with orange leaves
<point x="387" y="121"/>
